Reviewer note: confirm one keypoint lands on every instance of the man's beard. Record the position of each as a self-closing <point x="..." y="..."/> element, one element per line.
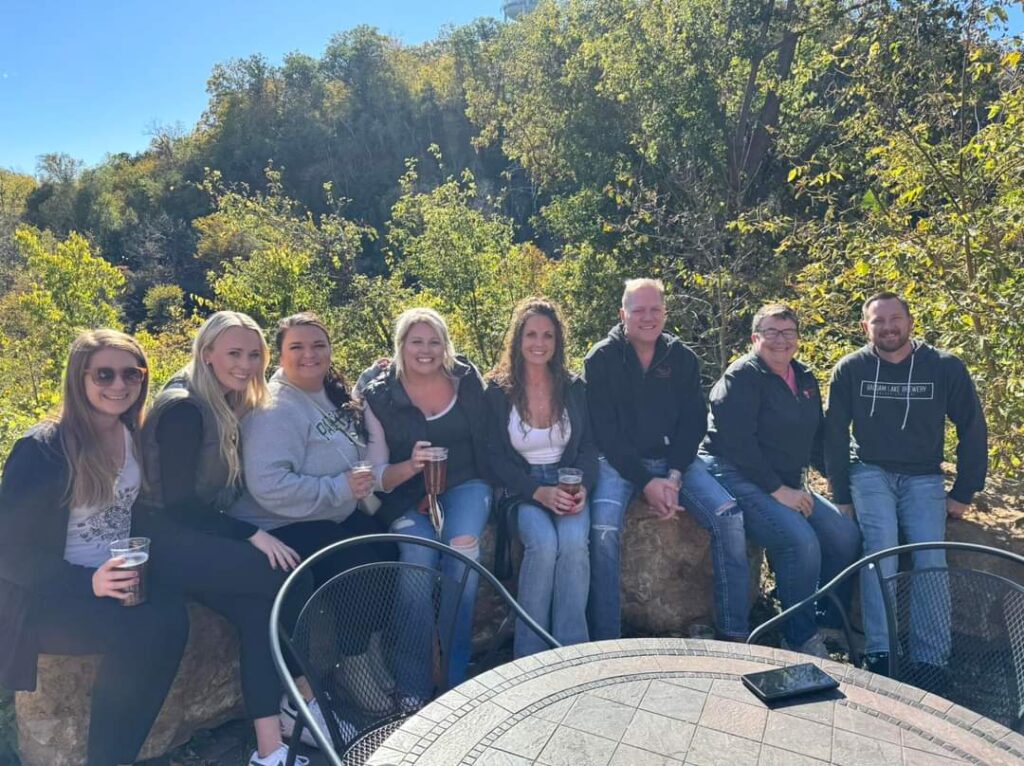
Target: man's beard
<point x="892" y="343"/>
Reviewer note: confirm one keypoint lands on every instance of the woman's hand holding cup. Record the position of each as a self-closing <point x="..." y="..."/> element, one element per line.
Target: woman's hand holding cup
<point x="556" y="500"/>
<point x="110" y="582"/>
<point x="420" y="456"/>
<point x="360" y="480"/>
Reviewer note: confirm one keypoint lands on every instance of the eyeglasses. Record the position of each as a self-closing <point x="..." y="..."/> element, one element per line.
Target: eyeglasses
<point x="771" y="334"/>
<point x="104" y="377"/>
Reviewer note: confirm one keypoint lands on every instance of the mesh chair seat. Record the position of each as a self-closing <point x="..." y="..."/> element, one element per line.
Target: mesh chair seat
<point x="960" y="634"/>
<point x="374" y="640"/>
<point x="957" y="631"/>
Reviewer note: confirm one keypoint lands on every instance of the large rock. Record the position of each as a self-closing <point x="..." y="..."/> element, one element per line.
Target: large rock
<point x="667" y="583"/>
<point x="53" y="721"/>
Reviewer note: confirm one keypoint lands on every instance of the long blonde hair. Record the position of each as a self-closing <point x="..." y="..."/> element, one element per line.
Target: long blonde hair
<point x="409" y="319"/>
<point x="91" y="473"/>
<point x="227" y="409"/>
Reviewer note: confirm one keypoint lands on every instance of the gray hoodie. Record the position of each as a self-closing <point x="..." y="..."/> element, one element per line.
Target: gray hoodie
<point x="295" y="453"/>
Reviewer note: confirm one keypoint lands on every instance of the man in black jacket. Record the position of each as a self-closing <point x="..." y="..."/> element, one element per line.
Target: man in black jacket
<point x="649" y="416"/>
<point x="898" y="392"/>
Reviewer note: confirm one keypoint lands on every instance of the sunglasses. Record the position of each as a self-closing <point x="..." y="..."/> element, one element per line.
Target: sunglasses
<point x="105" y="376"/>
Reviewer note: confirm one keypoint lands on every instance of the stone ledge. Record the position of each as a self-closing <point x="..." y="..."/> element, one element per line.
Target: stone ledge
<point x="53" y="721"/>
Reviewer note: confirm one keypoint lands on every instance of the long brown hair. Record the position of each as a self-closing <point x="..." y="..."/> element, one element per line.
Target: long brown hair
<point x="510" y="372"/>
<point x="91" y="474"/>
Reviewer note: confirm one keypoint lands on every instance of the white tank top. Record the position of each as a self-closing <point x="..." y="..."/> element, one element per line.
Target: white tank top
<point x="538" y="446"/>
<point x="91" y="529"/>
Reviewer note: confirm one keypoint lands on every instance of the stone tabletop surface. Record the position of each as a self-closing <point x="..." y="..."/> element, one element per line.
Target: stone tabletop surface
<point x="668" y="702"/>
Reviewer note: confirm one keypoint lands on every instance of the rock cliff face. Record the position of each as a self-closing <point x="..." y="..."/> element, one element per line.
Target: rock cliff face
<point x="53" y="720"/>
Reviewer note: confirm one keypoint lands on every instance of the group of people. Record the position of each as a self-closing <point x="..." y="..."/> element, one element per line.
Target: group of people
<point x="236" y="479"/>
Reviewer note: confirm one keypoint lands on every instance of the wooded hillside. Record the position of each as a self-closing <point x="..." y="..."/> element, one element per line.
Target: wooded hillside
<point x="812" y="151"/>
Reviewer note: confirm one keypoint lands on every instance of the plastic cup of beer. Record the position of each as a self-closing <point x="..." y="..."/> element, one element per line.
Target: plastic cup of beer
<point x="570" y="480"/>
<point x="362" y="466"/>
<point x="135" y="552"/>
<point x="435" y="471"/>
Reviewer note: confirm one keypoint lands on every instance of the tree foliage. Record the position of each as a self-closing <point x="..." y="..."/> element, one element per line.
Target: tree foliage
<point x="804" y="150"/>
<point x="64" y="287"/>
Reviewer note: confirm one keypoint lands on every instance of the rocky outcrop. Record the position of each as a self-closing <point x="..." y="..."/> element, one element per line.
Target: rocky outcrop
<point x="667" y="583"/>
<point x="666" y="576"/>
<point x="53" y="721"/>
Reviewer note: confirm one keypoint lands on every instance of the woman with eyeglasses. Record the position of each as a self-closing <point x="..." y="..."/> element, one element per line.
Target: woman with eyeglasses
<point x="69" y="493"/>
<point x="764" y="430"/>
<point x="308" y="470"/>
<point x="193" y="462"/>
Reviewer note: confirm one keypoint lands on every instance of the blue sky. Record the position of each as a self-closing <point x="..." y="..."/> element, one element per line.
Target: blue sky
<point x="91" y="77"/>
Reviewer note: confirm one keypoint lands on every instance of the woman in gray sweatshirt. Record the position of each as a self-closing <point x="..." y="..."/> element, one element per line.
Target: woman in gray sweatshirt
<point x="306" y="467"/>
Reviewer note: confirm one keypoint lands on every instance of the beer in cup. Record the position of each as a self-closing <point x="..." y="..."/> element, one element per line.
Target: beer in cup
<point x="135" y="552"/>
<point x="435" y="470"/>
<point x="570" y="480"/>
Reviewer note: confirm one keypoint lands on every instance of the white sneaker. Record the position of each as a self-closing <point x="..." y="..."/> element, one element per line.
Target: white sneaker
<point x="289" y="715"/>
<point x="814" y="646"/>
<point x="277" y="758"/>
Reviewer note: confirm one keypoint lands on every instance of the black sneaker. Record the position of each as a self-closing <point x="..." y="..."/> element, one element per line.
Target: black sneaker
<point x="877" y="662"/>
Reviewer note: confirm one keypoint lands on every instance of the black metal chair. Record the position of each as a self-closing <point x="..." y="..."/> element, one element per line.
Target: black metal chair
<point x="957" y="631"/>
<point x="374" y="640"/>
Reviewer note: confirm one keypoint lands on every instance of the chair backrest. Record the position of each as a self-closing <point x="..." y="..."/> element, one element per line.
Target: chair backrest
<point x="374" y="640"/>
<point x="959" y="630"/>
<point x="967" y="618"/>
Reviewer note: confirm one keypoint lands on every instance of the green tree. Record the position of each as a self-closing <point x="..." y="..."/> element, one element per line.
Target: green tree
<point x="63" y="289"/>
<point x="465" y="258"/>
<point x="937" y="145"/>
<point x="271" y="258"/>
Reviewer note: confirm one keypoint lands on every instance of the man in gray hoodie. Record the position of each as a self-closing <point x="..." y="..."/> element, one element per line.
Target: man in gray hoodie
<point x="897" y="393"/>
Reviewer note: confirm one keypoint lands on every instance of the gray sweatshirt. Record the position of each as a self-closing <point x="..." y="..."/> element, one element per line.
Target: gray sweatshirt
<point x="296" y="452"/>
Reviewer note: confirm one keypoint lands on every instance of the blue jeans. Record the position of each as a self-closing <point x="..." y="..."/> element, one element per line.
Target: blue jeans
<point x="466" y="509"/>
<point x="713" y="508"/>
<point x="554" y="577"/>
<point x="889" y="506"/>
<point x="803" y="552"/>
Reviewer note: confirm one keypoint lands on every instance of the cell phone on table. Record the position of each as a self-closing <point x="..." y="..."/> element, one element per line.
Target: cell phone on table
<point x="791" y="681"/>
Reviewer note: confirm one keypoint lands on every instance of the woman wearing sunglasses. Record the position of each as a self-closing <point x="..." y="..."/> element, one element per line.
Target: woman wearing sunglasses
<point x="191" y="451"/>
<point x="68" y="491"/>
<point x="307" y="468"/>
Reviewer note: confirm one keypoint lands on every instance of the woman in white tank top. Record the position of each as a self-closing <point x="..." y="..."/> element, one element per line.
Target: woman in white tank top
<point x="540" y="426"/>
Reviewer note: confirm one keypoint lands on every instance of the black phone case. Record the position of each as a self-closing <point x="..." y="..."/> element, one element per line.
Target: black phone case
<point x="824" y="683"/>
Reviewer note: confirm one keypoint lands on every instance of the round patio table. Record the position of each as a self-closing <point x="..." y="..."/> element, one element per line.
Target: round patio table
<point x="643" y="702"/>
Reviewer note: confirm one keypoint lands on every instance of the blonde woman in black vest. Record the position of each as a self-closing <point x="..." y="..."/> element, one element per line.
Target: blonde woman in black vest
<point x="193" y="466"/>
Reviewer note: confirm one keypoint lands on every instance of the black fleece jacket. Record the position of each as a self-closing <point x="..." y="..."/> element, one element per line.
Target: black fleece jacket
<point x="33" y="531"/>
<point x="899" y="415"/>
<point x="760" y="426"/>
<point x="404" y="425"/>
<point x="638" y="414"/>
<point x="510" y="468"/>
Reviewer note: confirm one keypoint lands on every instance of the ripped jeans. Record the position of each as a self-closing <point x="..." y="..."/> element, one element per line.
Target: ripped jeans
<point x="713" y="508"/>
<point x="466" y="510"/>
